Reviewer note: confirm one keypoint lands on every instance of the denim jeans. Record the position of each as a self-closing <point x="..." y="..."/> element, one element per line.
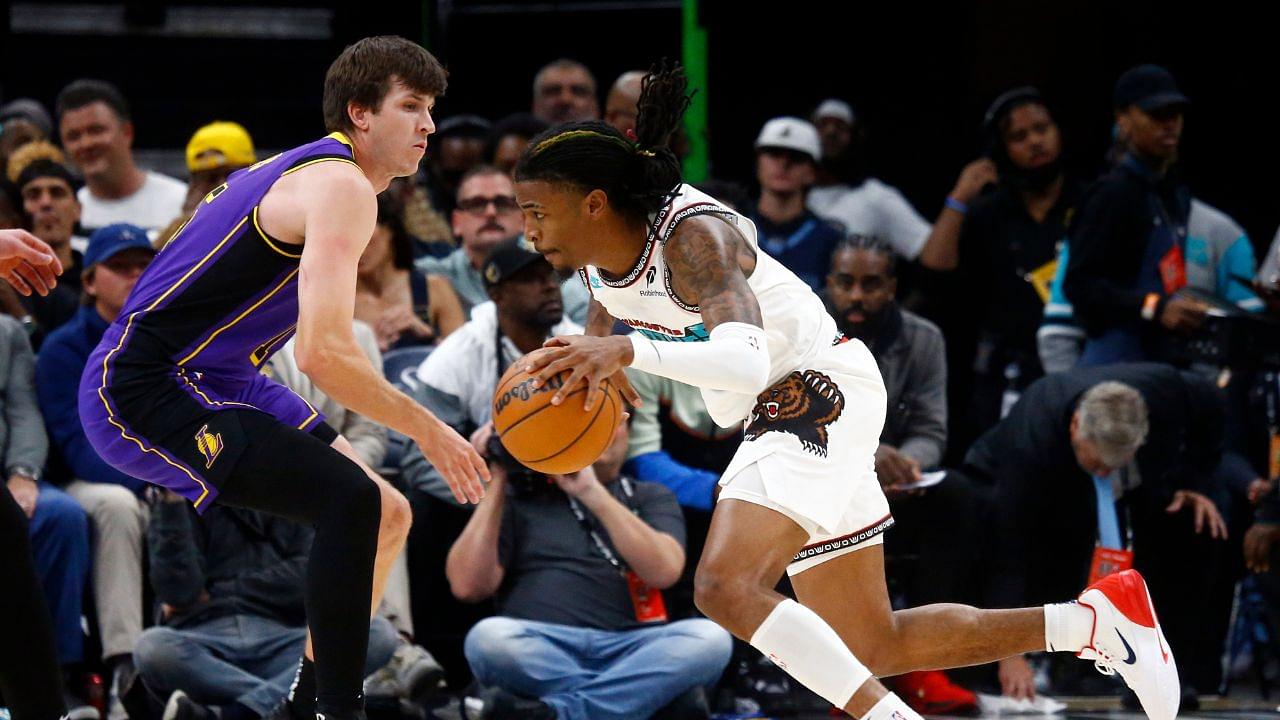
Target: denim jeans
<point x="597" y="674"/>
<point x="60" y="546"/>
<point x="238" y="658"/>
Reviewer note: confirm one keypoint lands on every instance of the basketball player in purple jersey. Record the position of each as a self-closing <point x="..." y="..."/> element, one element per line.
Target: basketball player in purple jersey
<point x="173" y="394"/>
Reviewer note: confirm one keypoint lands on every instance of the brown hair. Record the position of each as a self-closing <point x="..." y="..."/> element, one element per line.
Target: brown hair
<point x="364" y="73"/>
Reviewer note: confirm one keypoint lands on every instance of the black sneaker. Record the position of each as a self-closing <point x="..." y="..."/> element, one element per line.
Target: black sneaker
<point x="498" y="704"/>
<point x="181" y="707"/>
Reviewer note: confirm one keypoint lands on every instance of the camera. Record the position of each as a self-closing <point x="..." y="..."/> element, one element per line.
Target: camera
<point x="521" y="479"/>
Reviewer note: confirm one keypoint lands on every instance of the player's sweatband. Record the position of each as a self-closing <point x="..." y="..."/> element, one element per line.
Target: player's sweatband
<point x="735" y="358"/>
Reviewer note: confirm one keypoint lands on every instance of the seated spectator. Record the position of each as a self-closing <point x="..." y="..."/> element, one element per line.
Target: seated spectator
<point x="215" y="151"/>
<point x="508" y="139"/>
<point x="22" y="121"/>
<point x="1059" y="466"/>
<point x="838" y="170"/>
<point x="116" y="256"/>
<point x="861" y="294"/>
<point x="486" y="215"/>
<point x="850" y="197"/>
<point x="578" y="569"/>
<point x="457" y="383"/>
<point x="97" y="131"/>
<point x="49" y="204"/>
<point x="1127" y="261"/>
<point x="621" y="105"/>
<point x="459" y="145"/>
<point x="935" y="525"/>
<point x="230" y="587"/>
<point x="58" y="528"/>
<point x="564" y="91"/>
<point x="404" y="305"/>
<point x="787" y="152"/>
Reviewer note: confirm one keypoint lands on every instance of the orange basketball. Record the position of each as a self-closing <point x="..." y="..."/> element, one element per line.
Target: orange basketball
<point x="554" y="439"/>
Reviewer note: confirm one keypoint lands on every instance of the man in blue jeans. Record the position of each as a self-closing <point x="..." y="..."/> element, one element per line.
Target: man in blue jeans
<point x="578" y="563"/>
<point x="230" y="587"/>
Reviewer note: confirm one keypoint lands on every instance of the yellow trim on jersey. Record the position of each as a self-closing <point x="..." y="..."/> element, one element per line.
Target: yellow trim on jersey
<point x="182" y="373"/>
<point x="102" y="389"/>
<point x="239" y="317"/>
<point x="267" y="238"/>
<point x="258" y="356"/>
<point x="310" y="407"/>
<point x="340" y="137"/>
<point x="296" y="168"/>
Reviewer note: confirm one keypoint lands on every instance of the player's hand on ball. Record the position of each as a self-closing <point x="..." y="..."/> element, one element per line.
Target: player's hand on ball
<point x="590" y="360"/>
<point x="27" y="263"/>
<point x="462" y="467"/>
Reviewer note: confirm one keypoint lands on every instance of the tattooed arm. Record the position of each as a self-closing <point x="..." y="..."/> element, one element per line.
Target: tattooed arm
<point x="709" y="263"/>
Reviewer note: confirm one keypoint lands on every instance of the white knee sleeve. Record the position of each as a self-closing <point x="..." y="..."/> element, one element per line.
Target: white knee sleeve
<point x="803" y="644"/>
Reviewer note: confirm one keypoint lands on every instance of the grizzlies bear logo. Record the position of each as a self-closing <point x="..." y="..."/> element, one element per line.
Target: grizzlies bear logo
<point x="803" y="404"/>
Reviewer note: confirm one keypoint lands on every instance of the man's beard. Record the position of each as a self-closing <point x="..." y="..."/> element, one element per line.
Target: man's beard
<point x="867" y="329"/>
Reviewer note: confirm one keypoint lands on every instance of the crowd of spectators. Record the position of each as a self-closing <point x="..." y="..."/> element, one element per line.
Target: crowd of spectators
<point x="1081" y="375"/>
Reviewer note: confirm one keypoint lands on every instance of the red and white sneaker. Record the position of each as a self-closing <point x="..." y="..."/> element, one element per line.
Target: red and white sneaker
<point x="1127" y="640"/>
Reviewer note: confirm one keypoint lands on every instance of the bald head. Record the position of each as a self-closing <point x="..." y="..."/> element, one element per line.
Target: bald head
<point x="620" y="107"/>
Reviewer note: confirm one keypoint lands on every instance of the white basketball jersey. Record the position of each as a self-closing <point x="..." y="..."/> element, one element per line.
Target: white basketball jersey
<point x="796" y="324"/>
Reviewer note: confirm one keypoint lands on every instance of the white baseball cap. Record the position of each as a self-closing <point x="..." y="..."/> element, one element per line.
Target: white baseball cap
<point x="791" y="133"/>
<point x="833" y="108"/>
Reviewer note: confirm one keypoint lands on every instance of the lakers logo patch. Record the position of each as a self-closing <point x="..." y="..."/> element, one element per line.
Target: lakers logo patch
<point x="209" y="445"/>
<point x="802" y="404"/>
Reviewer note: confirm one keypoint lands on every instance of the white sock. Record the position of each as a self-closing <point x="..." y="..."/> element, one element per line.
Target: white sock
<point x="1068" y="627"/>
<point x="802" y="643"/>
<point x="891" y="707"/>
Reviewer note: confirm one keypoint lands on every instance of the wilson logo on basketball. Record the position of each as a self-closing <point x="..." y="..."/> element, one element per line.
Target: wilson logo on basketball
<point x="525" y="390"/>
<point x="802" y="404"/>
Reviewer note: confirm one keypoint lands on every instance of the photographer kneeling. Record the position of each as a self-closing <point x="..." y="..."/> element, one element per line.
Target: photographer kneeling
<point x="578" y="563"/>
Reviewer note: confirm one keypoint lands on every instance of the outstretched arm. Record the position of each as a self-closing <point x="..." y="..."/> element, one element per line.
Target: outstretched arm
<point x="339" y="211"/>
<point x="709" y="262"/>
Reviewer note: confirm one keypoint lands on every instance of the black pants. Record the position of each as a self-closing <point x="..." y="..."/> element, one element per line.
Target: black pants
<point x="932" y="552"/>
<point x="30" y="680"/>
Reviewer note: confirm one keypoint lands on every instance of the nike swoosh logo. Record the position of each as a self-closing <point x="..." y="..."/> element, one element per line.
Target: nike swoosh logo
<point x="1133" y="658"/>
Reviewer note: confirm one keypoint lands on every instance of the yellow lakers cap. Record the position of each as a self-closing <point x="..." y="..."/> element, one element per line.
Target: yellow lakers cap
<point x="218" y="145"/>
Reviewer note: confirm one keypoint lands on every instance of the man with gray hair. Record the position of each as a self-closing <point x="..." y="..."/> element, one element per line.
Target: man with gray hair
<point x="1122" y="457"/>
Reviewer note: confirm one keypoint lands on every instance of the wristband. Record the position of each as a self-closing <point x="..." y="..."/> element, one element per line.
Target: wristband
<point x="1149" y="305"/>
<point x="956" y="205"/>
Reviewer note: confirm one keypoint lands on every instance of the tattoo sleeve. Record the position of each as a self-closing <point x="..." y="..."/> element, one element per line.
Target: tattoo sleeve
<point x="706" y="258"/>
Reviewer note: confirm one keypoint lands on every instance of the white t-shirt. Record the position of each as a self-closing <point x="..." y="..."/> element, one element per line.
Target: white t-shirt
<point x="873" y="208"/>
<point x="156" y="204"/>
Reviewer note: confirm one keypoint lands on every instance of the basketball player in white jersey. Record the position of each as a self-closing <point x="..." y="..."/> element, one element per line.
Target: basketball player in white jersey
<point x="800" y="496"/>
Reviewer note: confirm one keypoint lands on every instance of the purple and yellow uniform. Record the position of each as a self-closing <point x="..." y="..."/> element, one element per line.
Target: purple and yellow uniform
<point x="162" y="395"/>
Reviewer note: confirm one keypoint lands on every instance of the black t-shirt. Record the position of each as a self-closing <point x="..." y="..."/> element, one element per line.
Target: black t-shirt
<point x="1000" y="246"/>
<point x="555" y="574"/>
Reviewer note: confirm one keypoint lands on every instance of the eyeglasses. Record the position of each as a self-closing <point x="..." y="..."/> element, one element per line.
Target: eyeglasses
<point x="502" y="204"/>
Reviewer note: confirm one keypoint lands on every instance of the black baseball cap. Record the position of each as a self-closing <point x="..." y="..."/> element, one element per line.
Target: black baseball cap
<point x="1149" y="87"/>
<point x="508" y="258"/>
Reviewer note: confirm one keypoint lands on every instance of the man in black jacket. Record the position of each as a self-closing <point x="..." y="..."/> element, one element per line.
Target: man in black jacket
<point x="230" y="587"/>
<point x="1127" y="451"/>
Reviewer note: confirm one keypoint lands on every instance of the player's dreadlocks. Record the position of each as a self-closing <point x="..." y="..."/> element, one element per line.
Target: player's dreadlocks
<point x="638" y="173"/>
